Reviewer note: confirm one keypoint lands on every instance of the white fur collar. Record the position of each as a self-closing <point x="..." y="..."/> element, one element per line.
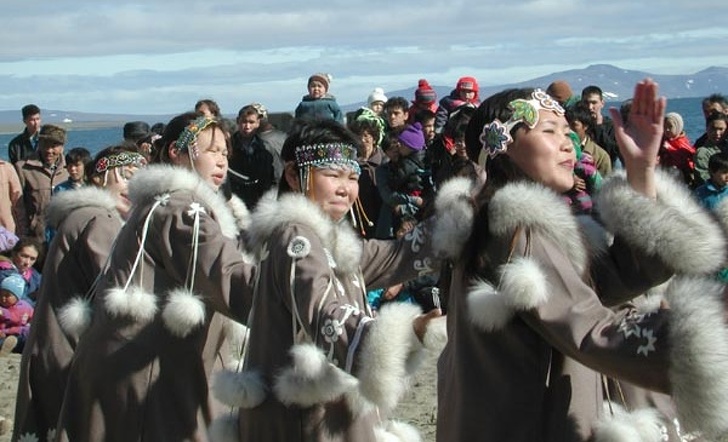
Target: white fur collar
<point x="535" y="207"/>
<point x="63" y="204"/>
<point x="294" y="208"/>
<point x="159" y="179"/>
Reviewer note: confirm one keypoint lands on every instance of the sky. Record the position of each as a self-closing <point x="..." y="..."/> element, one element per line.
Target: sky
<point x="160" y="57"/>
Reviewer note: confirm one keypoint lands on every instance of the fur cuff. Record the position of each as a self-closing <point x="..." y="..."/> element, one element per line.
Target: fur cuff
<point x="388" y="351"/>
<point x="699" y="355"/>
<point x="183" y="313"/>
<point x="435" y="337"/>
<point x="311" y="379"/>
<point x="75" y="316"/>
<point x="396" y="431"/>
<point x="239" y="389"/>
<point x="240" y="212"/>
<point x="643" y="425"/>
<point x="224" y="429"/>
<point x="135" y="303"/>
<point x="455" y="212"/>
<point x="523" y="286"/>
<point x="674" y="228"/>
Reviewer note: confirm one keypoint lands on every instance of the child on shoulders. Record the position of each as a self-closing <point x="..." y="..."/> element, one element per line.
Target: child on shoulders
<point x="319" y="104"/>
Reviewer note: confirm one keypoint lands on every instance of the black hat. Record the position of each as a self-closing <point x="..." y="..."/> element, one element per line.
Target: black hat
<point x="136" y="130"/>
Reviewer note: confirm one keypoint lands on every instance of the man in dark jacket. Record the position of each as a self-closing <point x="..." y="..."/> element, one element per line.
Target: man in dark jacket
<point x="24" y="145"/>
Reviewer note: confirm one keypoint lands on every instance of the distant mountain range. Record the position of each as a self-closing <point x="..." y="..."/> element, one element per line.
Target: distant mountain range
<point x="617" y="83"/>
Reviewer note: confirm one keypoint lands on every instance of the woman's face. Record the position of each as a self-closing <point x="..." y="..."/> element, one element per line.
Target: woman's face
<point x="334" y="190"/>
<point x="25" y="258"/>
<point x="545" y="153"/>
<point x="211" y="159"/>
<point x="117" y="183"/>
<point x="367" y="143"/>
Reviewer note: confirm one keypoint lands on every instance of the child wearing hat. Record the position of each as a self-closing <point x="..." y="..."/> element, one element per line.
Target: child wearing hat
<point x="465" y="93"/>
<point x="425" y="99"/>
<point x="319" y="104"/>
<point x="15" y="315"/>
<point x="410" y="181"/>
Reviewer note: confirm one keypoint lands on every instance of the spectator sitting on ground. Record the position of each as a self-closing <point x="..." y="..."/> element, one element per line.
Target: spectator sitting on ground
<point x="23" y="255"/>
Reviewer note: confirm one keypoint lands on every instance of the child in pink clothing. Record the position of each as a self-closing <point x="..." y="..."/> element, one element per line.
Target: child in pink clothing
<point x="15" y="315"/>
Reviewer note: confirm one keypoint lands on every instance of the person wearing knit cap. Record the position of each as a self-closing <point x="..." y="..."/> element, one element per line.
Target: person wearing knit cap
<point x="376" y="100"/>
<point x="425" y="98"/>
<point x="15" y="315"/>
<point x="410" y="181"/>
<point x="319" y="104"/>
<point x="677" y="152"/>
<point x="465" y="93"/>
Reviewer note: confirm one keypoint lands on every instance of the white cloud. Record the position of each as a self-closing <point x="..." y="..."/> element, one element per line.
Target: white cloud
<point x="161" y="57"/>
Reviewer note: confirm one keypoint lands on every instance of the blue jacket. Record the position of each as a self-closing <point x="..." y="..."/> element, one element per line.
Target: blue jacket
<point x="324" y="108"/>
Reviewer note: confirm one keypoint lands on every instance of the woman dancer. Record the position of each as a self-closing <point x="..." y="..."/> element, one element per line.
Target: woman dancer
<point x="320" y="366"/>
<point x="529" y="333"/>
<point x="141" y="370"/>
<point x="87" y="221"/>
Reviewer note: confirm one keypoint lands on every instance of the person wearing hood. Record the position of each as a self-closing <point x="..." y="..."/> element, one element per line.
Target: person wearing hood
<point x="176" y="272"/>
<point x="85" y="222"/>
<point x="319" y="104"/>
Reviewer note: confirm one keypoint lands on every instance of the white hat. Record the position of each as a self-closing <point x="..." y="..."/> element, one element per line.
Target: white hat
<point x="376" y="95"/>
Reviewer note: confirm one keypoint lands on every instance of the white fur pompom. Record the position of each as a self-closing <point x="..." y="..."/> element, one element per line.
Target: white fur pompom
<point x="523" y="284"/>
<point x="75" y="316"/>
<point x="183" y="313"/>
<point x="224" y="429"/>
<point x="312" y="379"/>
<point x="487" y="308"/>
<point x="641" y="425"/>
<point x="134" y="303"/>
<point x="239" y="389"/>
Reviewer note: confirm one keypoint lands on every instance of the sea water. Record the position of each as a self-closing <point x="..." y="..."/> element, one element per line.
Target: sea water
<point x="96" y="139"/>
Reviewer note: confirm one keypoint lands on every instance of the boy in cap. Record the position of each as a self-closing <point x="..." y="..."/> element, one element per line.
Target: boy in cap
<point x="15" y="315"/>
<point x="319" y="104"/>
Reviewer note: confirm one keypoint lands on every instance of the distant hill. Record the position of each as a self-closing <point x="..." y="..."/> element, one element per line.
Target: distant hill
<point x="616" y="82"/>
<point x="611" y="79"/>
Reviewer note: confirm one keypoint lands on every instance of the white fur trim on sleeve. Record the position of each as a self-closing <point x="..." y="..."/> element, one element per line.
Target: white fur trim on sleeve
<point x="675" y="227"/>
<point x="134" y="303"/>
<point x="454" y="217"/>
<point x="623" y="426"/>
<point x="75" y="316"/>
<point x="387" y="352"/>
<point x="239" y="389"/>
<point x="699" y="355"/>
<point x="311" y="379"/>
<point x="183" y="313"/>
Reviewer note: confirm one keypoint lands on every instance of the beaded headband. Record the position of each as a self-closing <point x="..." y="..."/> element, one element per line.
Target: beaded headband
<point x="496" y="136"/>
<point x="119" y="159"/>
<point x="189" y="135"/>
<point x="327" y="154"/>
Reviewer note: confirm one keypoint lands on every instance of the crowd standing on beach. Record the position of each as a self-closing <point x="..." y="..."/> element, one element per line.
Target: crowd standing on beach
<point x="205" y="279"/>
